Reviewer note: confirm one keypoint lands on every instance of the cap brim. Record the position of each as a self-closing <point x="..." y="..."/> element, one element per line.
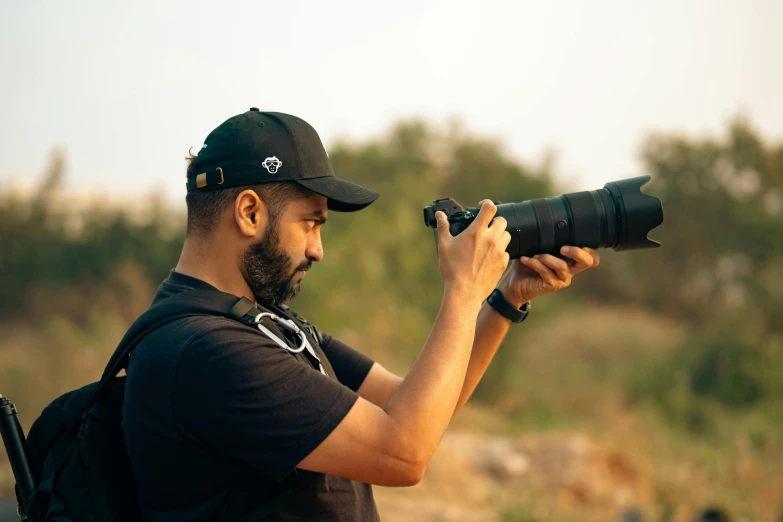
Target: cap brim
<point x="343" y="196"/>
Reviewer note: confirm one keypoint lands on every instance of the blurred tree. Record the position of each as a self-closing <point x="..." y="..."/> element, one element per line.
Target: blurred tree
<point x="72" y="278"/>
<point x="722" y="234"/>
<point x="48" y="244"/>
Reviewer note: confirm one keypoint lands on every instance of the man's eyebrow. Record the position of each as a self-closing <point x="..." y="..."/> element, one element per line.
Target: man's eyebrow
<point x="319" y="212"/>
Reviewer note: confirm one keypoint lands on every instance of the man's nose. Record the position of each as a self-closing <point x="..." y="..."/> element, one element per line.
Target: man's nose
<point x="315" y="251"/>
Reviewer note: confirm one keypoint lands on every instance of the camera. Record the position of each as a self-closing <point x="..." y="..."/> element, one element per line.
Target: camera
<point x="618" y="216"/>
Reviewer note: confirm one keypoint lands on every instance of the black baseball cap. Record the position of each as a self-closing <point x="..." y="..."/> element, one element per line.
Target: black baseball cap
<point x="262" y="147"/>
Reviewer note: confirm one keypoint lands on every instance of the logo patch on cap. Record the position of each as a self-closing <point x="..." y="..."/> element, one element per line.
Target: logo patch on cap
<point x="272" y="164"/>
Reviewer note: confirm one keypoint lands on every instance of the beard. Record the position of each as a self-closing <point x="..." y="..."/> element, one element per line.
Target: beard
<point x="269" y="271"/>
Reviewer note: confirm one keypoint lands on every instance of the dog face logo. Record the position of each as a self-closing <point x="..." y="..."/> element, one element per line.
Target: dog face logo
<point x="272" y="164"/>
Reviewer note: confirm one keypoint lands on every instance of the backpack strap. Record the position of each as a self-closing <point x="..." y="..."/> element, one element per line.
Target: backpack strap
<point x="243" y="307"/>
<point x="186" y="304"/>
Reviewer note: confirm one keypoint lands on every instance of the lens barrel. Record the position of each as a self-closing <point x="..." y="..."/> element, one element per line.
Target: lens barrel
<point x="618" y="216"/>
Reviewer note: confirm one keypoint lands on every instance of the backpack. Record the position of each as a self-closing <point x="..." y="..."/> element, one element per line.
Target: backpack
<point x="76" y="448"/>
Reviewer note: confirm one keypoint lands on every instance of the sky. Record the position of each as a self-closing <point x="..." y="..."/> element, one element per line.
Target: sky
<point x="126" y="88"/>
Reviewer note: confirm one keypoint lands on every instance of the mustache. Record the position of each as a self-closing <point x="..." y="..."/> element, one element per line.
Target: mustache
<point x="304" y="266"/>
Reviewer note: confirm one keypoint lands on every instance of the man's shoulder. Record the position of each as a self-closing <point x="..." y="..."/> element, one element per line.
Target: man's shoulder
<point x="181" y="335"/>
<point x="185" y="350"/>
<point x="197" y="325"/>
<point x="218" y="330"/>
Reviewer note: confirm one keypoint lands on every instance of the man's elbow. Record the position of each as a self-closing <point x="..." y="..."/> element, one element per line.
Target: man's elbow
<point x="408" y="476"/>
<point x="410" y="463"/>
<point x="408" y="456"/>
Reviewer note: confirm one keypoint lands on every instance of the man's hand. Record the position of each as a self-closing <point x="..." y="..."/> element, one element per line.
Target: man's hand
<point x="472" y="262"/>
<point x="531" y="277"/>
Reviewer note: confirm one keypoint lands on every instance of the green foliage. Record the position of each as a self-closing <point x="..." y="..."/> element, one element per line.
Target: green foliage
<point x="379" y="285"/>
<point x="723" y="370"/>
<point x="714" y="370"/>
<point x="518" y="513"/>
<point x="718" y="273"/>
<point x="47" y="245"/>
<point x="73" y="278"/>
<point x="723" y="207"/>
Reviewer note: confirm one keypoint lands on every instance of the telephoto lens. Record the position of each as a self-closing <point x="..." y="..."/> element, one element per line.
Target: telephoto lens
<point x="618" y="216"/>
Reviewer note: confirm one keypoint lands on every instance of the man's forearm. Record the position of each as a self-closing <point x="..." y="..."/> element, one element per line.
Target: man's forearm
<point x="491" y="328"/>
<point x="422" y="405"/>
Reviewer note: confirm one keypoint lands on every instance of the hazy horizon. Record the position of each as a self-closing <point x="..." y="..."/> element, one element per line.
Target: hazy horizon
<point x="126" y="92"/>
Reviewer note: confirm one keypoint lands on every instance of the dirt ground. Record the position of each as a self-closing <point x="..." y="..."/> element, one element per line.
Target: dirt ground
<point x="486" y="478"/>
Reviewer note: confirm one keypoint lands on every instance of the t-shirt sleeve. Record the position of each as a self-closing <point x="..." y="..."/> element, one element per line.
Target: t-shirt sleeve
<point x="240" y="394"/>
<point x="350" y="366"/>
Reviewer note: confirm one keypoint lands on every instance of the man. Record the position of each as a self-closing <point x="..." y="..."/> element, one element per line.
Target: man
<point x="224" y="423"/>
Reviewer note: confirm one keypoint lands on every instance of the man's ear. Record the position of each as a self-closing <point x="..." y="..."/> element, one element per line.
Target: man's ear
<point x="250" y="214"/>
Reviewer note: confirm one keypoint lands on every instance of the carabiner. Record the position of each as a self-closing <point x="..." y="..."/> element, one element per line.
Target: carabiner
<point x="290" y="325"/>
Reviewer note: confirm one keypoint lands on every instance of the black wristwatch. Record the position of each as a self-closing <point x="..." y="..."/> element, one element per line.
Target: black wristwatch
<point x="506" y="309"/>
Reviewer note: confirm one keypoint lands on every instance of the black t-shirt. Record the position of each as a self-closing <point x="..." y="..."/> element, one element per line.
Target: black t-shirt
<point x="217" y="417"/>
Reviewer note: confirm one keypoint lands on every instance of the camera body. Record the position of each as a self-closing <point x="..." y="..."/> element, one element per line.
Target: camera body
<point x="459" y="218"/>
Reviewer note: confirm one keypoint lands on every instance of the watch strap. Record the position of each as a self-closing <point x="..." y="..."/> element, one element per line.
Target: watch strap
<point x="498" y="303"/>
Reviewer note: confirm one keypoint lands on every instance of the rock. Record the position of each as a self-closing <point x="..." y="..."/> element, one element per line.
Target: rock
<point x="503" y="461"/>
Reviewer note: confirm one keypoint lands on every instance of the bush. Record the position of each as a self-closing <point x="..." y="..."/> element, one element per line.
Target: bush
<point x="517" y="513"/>
<point x="706" y="372"/>
<point x="723" y="369"/>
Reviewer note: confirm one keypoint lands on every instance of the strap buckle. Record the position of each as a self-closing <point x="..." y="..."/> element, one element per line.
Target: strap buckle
<point x="201" y="179"/>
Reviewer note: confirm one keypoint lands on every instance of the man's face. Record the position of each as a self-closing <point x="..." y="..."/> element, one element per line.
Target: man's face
<point x="275" y="265"/>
